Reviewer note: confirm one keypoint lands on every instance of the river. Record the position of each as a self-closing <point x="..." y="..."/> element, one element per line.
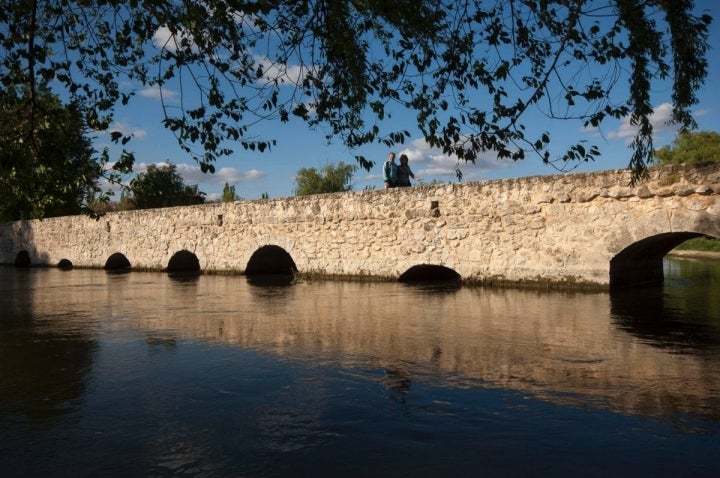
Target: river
<point x="143" y="374"/>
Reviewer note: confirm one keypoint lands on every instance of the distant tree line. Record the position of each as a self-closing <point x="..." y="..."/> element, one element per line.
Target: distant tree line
<point x="328" y="179"/>
<point x="691" y="147"/>
<point x="162" y="186"/>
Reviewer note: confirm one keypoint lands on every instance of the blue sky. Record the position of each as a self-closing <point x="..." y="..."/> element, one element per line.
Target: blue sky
<point x="272" y="172"/>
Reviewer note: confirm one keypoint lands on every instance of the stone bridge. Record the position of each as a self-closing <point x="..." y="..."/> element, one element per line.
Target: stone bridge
<point x="575" y="230"/>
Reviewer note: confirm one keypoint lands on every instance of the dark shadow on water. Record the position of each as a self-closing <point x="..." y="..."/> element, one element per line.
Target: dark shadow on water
<point x="272" y="290"/>
<point x="117" y="272"/>
<point x="118" y="276"/>
<point x="184" y="277"/>
<point x="397" y="384"/>
<point x="269" y="280"/>
<point x="437" y="287"/>
<point x="43" y="369"/>
<point x="163" y="342"/>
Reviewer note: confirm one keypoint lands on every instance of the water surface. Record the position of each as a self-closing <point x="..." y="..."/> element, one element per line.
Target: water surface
<point x="142" y="374"/>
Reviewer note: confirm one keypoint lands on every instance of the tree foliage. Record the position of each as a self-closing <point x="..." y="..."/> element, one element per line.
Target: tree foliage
<point x="329" y="179"/>
<point x="691" y="147"/>
<point x="57" y="161"/>
<point x="470" y="71"/>
<point x="228" y="194"/>
<point x="162" y="186"/>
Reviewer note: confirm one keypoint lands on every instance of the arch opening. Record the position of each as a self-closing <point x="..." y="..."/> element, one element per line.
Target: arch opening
<point x="65" y="264"/>
<point x="271" y="261"/>
<point x="117" y="262"/>
<point x="183" y="262"/>
<point x="22" y="259"/>
<point x="641" y="263"/>
<point x="429" y="273"/>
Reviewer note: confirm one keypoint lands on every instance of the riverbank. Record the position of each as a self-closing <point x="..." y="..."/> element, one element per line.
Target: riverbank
<point x="714" y="256"/>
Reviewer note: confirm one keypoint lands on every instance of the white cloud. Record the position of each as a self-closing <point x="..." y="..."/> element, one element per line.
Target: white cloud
<point x="192" y="174"/>
<point x="273" y="72"/>
<point x="164" y="39"/>
<point x="127" y="130"/>
<point x="428" y="163"/>
<point x="155" y="92"/>
<point x="280" y="72"/>
<point x="161" y="37"/>
<point x="660" y="120"/>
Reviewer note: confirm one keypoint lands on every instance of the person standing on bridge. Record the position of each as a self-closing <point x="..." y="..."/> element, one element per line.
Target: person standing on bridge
<point x="404" y="173"/>
<point x="390" y="172"/>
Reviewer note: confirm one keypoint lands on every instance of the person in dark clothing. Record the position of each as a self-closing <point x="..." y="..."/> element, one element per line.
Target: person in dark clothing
<point x="404" y="173"/>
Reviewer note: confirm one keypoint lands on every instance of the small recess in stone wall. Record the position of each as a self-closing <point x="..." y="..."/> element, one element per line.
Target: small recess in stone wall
<point x="117" y="262"/>
<point x="22" y="259"/>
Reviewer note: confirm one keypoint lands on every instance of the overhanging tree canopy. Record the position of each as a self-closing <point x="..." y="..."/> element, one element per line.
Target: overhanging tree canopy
<point x="469" y="70"/>
<point x="52" y="172"/>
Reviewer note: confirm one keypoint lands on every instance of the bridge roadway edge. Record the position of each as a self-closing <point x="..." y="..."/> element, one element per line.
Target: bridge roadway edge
<point x="570" y="230"/>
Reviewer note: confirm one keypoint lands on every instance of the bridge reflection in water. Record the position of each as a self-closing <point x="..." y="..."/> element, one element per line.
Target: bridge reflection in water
<point x="634" y="353"/>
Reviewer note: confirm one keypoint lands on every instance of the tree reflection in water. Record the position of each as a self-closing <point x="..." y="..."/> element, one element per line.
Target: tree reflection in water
<point x="43" y="369"/>
<point x="682" y="315"/>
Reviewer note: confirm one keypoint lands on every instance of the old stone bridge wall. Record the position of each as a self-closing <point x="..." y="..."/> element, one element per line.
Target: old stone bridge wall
<point x="566" y="229"/>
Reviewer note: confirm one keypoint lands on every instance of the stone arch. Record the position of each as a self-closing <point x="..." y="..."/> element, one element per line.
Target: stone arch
<point x="22" y="259"/>
<point x="293" y="247"/>
<point x="117" y="262"/>
<point x="271" y="260"/>
<point x="183" y="261"/>
<point x="424" y="273"/>
<point x="641" y="263"/>
<point x="65" y="264"/>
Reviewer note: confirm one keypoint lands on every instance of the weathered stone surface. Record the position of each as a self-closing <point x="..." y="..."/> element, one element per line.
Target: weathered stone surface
<point x="561" y="229"/>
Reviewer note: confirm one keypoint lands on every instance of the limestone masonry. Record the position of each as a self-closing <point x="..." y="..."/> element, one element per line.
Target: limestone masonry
<point x="573" y="229"/>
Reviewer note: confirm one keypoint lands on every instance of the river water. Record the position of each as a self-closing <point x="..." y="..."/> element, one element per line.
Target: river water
<point x="142" y="374"/>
